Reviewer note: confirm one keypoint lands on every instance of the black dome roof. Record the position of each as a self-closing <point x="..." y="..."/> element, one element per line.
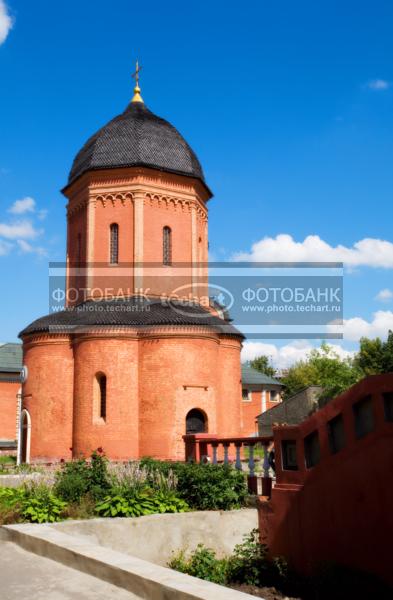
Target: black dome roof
<point x="137" y="137"/>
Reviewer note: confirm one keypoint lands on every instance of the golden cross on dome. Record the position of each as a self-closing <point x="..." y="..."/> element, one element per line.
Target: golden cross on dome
<point x="137" y="90"/>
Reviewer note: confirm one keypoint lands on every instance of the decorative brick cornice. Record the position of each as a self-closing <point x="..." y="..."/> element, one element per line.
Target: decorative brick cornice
<point x="42" y="339"/>
<point x="177" y="203"/>
<point x="146" y="333"/>
<point x="123" y="198"/>
<point x="106" y="181"/>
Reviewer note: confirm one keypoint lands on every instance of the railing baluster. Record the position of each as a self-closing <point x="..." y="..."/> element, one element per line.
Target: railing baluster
<point x="226" y="460"/>
<point x="266" y="466"/>
<point x="251" y="462"/>
<point x="214" y="446"/>
<point x="238" y="463"/>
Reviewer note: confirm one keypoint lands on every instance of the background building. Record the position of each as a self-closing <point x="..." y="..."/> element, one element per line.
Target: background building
<point x="259" y="393"/>
<point x="10" y="368"/>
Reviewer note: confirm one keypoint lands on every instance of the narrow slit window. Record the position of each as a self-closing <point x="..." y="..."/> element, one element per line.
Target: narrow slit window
<point x="167" y="246"/>
<point x="114" y="244"/>
<point x="102" y="385"/>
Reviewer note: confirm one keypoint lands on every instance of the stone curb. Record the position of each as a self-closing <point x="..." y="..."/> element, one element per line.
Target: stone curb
<point x="138" y="576"/>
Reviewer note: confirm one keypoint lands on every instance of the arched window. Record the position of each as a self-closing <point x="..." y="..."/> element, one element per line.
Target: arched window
<point x="196" y="421"/>
<point x="24" y="437"/>
<point x="167" y="246"/>
<point x="99" y="398"/>
<point x="114" y="244"/>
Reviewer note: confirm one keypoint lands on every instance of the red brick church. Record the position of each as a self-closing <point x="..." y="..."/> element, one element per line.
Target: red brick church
<point x="137" y="358"/>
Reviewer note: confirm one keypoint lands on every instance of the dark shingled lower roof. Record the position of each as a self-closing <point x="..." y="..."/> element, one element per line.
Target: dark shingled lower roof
<point x="130" y="312"/>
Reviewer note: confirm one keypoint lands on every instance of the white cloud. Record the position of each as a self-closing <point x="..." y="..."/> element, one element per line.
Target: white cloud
<point x="370" y="252"/>
<point x="22" y="206"/>
<point x="384" y="295"/>
<point x="5" y="22"/>
<point x="27" y="248"/>
<point x="5" y="247"/>
<point x="19" y="230"/>
<point x="358" y="327"/>
<point x="285" y="356"/>
<point x="378" y="84"/>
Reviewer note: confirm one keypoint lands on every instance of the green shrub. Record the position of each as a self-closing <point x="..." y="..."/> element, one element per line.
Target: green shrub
<point x="43" y="509"/>
<point x="98" y="474"/>
<point x="203" y="487"/>
<point x="249" y="564"/>
<point x="7" y="460"/>
<point x="36" y="504"/>
<point x="9" y="496"/>
<point x="137" y="504"/>
<point x="211" y="487"/>
<point x="169" y="502"/>
<point x="39" y="504"/>
<point x="10" y="505"/>
<point x="80" y="477"/>
<point x="202" y="563"/>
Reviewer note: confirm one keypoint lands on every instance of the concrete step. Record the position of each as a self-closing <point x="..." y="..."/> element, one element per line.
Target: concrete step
<point x="28" y="576"/>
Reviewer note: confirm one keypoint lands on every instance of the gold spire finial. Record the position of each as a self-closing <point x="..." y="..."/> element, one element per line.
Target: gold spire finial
<point x="137" y="90"/>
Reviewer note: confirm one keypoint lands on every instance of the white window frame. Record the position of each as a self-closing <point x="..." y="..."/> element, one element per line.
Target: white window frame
<point x="277" y="395"/>
<point x="249" y="397"/>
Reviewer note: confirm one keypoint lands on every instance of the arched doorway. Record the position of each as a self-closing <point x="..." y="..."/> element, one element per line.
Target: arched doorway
<point x="25" y="432"/>
<point x="196" y="421"/>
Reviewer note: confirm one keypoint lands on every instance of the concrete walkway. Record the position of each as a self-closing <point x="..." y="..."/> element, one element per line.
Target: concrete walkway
<point x="24" y="575"/>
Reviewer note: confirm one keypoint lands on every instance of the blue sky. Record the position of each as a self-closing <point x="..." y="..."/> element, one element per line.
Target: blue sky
<point x="289" y="107"/>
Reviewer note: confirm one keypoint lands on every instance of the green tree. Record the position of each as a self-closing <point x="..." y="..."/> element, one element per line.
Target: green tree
<point x="375" y="356"/>
<point x="387" y="359"/>
<point x="323" y="367"/>
<point x="263" y="365"/>
<point x="369" y="359"/>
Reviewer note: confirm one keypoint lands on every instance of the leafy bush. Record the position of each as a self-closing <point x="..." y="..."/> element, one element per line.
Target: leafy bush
<point x="36" y="504"/>
<point x="10" y="507"/>
<point x="203" y="564"/>
<point x="43" y="509"/>
<point x="249" y="564"/>
<point x="9" y="496"/>
<point x="7" y="459"/>
<point x="83" y="509"/>
<point x="80" y="477"/>
<point x="211" y="487"/>
<point x="169" y="502"/>
<point x="137" y="504"/>
<point x="204" y="487"/>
